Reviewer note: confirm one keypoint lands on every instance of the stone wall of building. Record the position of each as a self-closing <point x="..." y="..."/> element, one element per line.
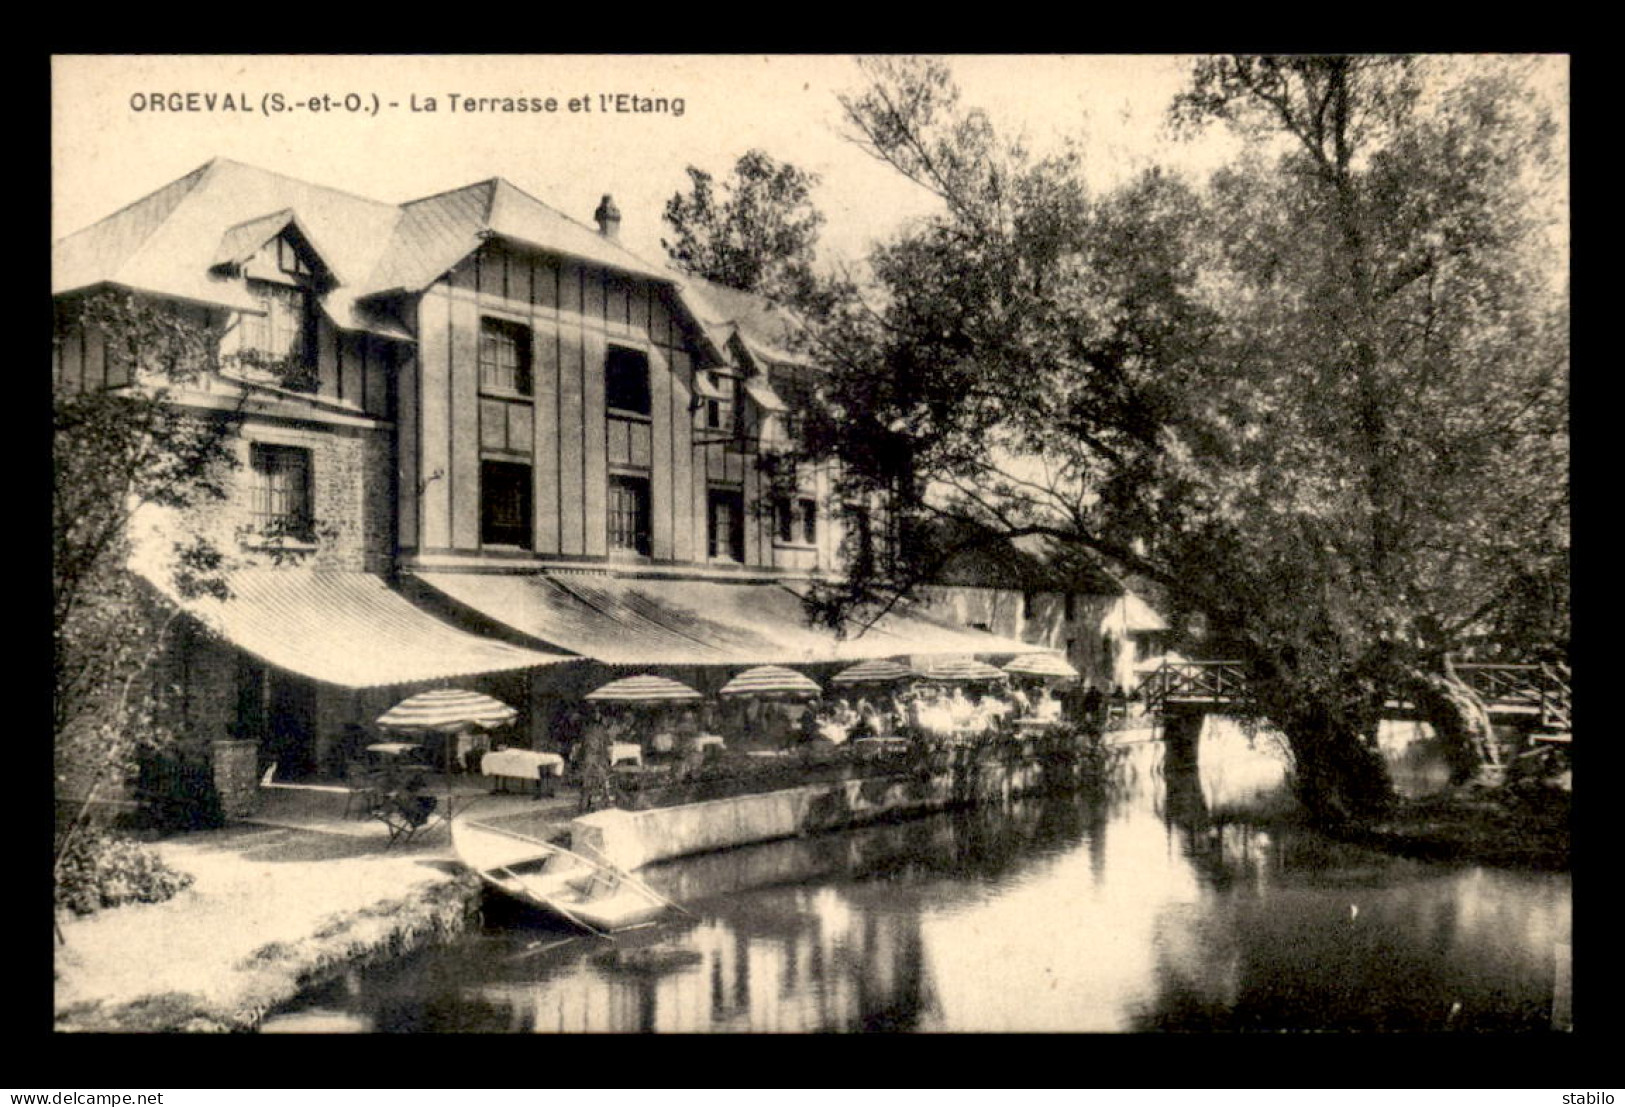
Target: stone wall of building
<point x="351" y="493"/>
<point x="236" y="777"/>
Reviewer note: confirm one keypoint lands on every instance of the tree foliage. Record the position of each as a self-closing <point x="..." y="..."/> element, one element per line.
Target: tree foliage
<point x="755" y="232"/>
<point x="116" y="452"/>
<point x="1321" y="397"/>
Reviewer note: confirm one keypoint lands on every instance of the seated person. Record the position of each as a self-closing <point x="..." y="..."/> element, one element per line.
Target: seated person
<point x="1046" y="708"/>
<point x="808" y="729"/>
<point x="864" y="727"/>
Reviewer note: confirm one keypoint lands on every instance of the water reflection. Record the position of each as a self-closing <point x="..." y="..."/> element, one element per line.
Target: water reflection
<point x="1169" y="907"/>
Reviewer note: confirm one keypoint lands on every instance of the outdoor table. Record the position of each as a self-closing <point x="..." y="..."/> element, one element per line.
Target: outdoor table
<point x="394" y="749"/>
<point x="705" y="741"/>
<point x="625" y="751"/>
<point x="881" y="745"/>
<point x="526" y="765"/>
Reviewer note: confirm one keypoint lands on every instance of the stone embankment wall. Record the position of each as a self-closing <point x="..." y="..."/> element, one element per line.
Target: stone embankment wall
<point x="632" y="839"/>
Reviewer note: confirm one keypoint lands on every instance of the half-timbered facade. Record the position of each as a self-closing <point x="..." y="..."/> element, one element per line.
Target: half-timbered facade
<point x="486" y="428"/>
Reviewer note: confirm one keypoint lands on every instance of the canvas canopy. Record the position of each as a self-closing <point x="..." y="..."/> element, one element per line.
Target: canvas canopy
<point x="348" y="629"/>
<point x="662" y="621"/>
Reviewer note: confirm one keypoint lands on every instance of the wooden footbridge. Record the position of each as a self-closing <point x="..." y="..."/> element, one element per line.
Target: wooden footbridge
<point x="1535" y="696"/>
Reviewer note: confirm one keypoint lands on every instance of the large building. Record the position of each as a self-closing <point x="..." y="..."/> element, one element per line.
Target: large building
<point x="481" y="443"/>
<point x="1021" y="589"/>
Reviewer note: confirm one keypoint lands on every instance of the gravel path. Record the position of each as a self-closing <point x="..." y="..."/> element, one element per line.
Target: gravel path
<point x="264" y="901"/>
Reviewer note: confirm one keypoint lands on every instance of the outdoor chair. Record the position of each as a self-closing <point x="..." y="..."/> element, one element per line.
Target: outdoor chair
<point x="366" y="788"/>
<point x="406" y="815"/>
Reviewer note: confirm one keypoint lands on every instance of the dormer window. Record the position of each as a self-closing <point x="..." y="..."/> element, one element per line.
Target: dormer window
<point x="722" y="411"/>
<point x="285" y="332"/>
<point x="279" y="343"/>
<point x="289" y="259"/>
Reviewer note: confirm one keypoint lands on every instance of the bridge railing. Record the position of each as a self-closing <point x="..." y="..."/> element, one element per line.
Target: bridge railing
<point x="1557" y="698"/>
<point x="1509" y="685"/>
<point x="1542" y="689"/>
<point x="1194" y="682"/>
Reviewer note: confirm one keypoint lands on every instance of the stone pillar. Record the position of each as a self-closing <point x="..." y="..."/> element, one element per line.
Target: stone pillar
<point x="1181" y="768"/>
<point x="236" y="776"/>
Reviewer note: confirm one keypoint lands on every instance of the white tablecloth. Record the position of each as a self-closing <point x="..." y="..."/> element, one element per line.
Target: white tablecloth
<point x="625" y="751"/>
<point x="887" y="744"/>
<point x="394" y="749"/>
<point x="705" y="740"/>
<point x="524" y="764"/>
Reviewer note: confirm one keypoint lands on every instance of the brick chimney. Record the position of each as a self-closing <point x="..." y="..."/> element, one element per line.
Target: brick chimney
<point x="608" y="217"/>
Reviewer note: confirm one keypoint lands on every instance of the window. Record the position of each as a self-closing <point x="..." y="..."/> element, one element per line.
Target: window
<point x="504" y="356"/>
<point x="626" y="380"/>
<point x="1029" y="604"/>
<point x="797" y="521"/>
<point x="722" y="413"/>
<point x="505" y="498"/>
<point x="727" y="525"/>
<point x="281" y="491"/>
<point x="862" y="534"/>
<point x="289" y="259"/>
<point x="1071" y="606"/>
<point x="629" y="514"/>
<point x="285" y="331"/>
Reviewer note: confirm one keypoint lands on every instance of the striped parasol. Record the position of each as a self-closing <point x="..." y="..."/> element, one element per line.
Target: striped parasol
<point x="644" y="689"/>
<point x="877" y="671"/>
<point x="771" y="680"/>
<point x="962" y="671"/>
<point x="448" y="709"/>
<point x="1041" y="665"/>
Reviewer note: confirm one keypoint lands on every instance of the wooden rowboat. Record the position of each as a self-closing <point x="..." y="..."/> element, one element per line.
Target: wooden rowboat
<point x="592" y="895"/>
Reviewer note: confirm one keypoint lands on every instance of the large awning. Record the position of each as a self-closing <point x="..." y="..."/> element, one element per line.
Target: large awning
<point x="638" y="621"/>
<point x="349" y="629"/>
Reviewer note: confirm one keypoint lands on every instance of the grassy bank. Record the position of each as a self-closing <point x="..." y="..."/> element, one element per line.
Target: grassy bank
<point x="272" y="912"/>
<point x="1527" y="829"/>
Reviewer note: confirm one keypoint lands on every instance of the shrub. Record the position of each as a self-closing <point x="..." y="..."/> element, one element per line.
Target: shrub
<point x="104" y="870"/>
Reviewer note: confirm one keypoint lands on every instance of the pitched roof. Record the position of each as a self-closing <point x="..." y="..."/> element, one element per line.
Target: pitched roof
<point x="168" y="242"/>
<point x="243" y="241"/>
<point x="437" y="232"/>
<point x="96" y="254"/>
<point x="1031" y="563"/>
<point x="764" y="328"/>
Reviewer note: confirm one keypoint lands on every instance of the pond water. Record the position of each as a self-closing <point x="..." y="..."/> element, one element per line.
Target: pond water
<point x="1170" y="905"/>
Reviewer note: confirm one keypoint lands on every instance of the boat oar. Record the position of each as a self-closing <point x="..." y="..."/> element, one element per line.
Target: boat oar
<point x="537" y="948"/>
<point x="640" y="885"/>
<point x="552" y="901"/>
<point x="650" y="891"/>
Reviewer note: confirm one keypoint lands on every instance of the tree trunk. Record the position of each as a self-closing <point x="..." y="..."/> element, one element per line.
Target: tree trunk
<point x="1340" y="773"/>
<point x="1459" y="719"/>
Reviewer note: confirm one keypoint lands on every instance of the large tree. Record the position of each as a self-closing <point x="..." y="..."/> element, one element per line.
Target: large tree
<point x="756" y="233"/>
<point x="117" y="452"/>
<point x="1321" y="398"/>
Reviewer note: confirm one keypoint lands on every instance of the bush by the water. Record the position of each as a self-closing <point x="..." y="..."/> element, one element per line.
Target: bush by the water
<point x="104" y="870"/>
